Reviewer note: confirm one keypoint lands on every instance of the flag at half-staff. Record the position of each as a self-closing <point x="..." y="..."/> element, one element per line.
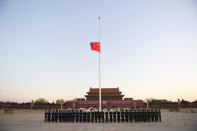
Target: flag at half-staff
<point x="95" y="46"/>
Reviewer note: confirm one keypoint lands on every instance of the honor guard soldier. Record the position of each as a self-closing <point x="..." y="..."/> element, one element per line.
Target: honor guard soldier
<point x="77" y="116"/>
<point x="66" y="116"/>
<point x="96" y="116"/>
<point x="53" y="116"/>
<point x="126" y="116"/>
<point x="63" y="116"/>
<point x="49" y="115"/>
<point x="142" y="115"/>
<point x="92" y="116"/>
<point x="152" y="115"/>
<point x="56" y="115"/>
<point x="131" y="115"/>
<point x="106" y="116"/>
<point x="159" y="115"/>
<point x="110" y="116"/>
<point x="70" y="116"/>
<point x="139" y="115"/>
<point x="102" y="116"/>
<point x="118" y="116"/>
<point x="45" y="115"/>
<point x="60" y="116"/>
<point x="156" y="115"/>
<point x="145" y="116"/>
<point x="83" y="116"/>
<point x="73" y="115"/>
<point x="99" y="116"/>
<point x="114" y="116"/>
<point x="148" y="115"/>
<point x="122" y="116"/>
<point x="88" y="116"/>
<point x="135" y="115"/>
<point x="80" y="116"/>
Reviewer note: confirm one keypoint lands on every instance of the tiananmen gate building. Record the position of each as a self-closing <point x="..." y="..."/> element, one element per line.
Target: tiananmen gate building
<point x="110" y="97"/>
<point x="107" y="94"/>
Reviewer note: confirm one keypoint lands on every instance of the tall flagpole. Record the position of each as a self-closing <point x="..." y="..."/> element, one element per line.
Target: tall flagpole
<point x="99" y="66"/>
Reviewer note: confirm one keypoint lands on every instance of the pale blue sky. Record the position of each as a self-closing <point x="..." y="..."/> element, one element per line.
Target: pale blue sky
<point x="149" y="48"/>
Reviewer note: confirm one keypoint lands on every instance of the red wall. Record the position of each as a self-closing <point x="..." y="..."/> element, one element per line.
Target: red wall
<point x="81" y="104"/>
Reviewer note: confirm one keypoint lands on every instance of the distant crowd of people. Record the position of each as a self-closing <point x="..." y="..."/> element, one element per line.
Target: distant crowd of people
<point x="105" y="115"/>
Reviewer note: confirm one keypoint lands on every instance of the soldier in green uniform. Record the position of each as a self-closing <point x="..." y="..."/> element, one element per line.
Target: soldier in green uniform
<point x="99" y="116"/>
<point x="130" y="116"/>
<point x="77" y="116"/>
<point x="159" y="115"/>
<point x="88" y="116"/>
<point x="49" y="115"/>
<point x="118" y="116"/>
<point x="53" y="116"/>
<point x="139" y="115"/>
<point x="122" y="115"/>
<point x="66" y="115"/>
<point x="156" y="115"/>
<point x="73" y="116"/>
<point x="95" y="116"/>
<point x="152" y="115"/>
<point x="45" y="115"/>
<point x="84" y="116"/>
<point x="114" y="116"/>
<point x="145" y="116"/>
<point x="106" y="116"/>
<point x="148" y="115"/>
<point x="126" y="116"/>
<point x="92" y="116"/>
<point x="60" y="116"/>
<point x="80" y="116"/>
<point x="110" y="116"/>
<point x="135" y="115"/>
<point x="102" y="116"/>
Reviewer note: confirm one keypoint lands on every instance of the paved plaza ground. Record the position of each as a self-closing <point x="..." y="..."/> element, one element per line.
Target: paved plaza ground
<point x="34" y="121"/>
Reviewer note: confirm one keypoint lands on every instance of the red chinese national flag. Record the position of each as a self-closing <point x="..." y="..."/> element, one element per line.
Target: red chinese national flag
<point x="95" y="46"/>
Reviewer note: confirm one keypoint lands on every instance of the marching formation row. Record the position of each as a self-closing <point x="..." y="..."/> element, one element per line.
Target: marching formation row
<point x="146" y="115"/>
